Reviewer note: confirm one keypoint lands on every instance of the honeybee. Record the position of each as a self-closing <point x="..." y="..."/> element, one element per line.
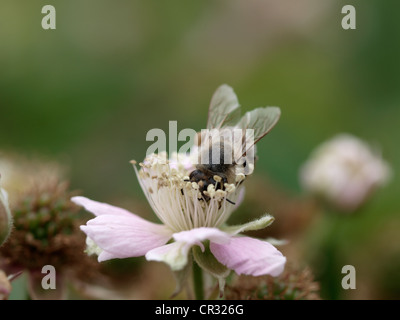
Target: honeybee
<point x="227" y="147"/>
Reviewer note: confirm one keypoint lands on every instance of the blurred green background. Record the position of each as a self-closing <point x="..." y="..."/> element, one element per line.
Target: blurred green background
<point x="88" y="92"/>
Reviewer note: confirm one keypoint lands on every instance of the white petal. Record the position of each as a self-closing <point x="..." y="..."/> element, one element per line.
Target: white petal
<point x="198" y="235"/>
<point x="174" y="254"/>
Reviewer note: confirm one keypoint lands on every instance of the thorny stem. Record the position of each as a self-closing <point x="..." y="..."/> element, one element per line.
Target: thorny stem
<point x="198" y="282"/>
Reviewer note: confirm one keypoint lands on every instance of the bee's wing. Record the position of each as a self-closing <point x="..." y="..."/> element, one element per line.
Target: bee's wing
<point x="261" y="120"/>
<point x="224" y="108"/>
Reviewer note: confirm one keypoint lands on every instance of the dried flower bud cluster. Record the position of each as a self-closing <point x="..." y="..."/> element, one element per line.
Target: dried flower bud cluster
<point x="292" y="284"/>
<point x="45" y="229"/>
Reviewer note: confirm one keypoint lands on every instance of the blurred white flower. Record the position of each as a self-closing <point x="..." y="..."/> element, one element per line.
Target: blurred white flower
<point x="344" y="171"/>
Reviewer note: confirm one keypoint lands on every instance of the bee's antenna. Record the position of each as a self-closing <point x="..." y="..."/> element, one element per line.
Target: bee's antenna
<point x="231" y="202"/>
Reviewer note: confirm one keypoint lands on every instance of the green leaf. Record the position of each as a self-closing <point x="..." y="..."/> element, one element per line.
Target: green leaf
<point x="258" y="224"/>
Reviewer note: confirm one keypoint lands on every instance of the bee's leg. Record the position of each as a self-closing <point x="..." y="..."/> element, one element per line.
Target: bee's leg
<point x="182" y="192"/>
<point x="231" y="202"/>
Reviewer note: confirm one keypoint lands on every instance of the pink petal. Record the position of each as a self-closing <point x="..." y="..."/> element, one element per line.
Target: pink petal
<point x="198" y="235"/>
<point x="99" y="208"/>
<point x="123" y="236"/>
<point x="249" y="256"/>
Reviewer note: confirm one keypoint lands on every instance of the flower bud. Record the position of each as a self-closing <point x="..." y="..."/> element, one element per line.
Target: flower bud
<point x="5" y="217"/>
<point x="344" y="172"/>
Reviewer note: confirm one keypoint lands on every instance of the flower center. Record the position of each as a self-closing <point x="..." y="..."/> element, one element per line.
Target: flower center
<point x="179" y="203"/>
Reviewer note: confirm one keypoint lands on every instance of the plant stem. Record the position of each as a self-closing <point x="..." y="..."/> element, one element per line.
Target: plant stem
<point x="198" y="282"/>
